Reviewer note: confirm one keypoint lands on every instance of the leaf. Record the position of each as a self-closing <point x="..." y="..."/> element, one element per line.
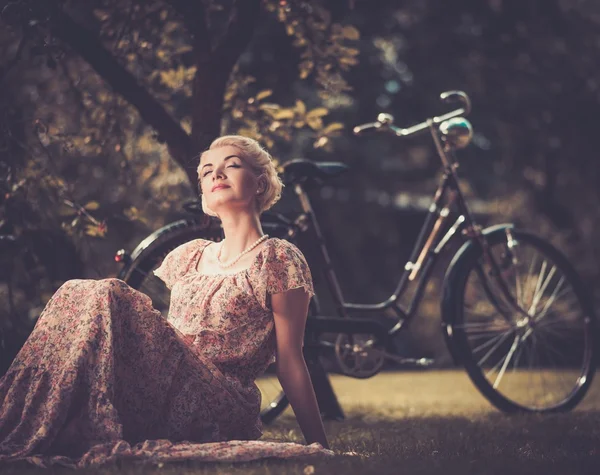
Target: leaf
<point x="284" y="114"/>
<point x="183" y="49"/>
<point x="299" y="41"/>
<point x="269" y="106"/>
<point x="348" y="60"/>
<point x="268" y="142"/>
<point x="334" y="126"/>
<point x="351" y="32"/>
<point x="176" y="78"/>
<point x="18" y="185"/>
<point x="300" y="107"/>
<point x="314" y="123"/>
<point x="246" y="132"/>
<point x="66" y="211"/>
<point x="352" y="51"/>
<point x="67" y="229"/>
<point x="263" y="94"/>
<point x="102" y="15"/>
<point x="171" y="26"/>
<point x="131" y="212"/>
<point x="317" y="112"/>
<point x="306" y="67"/>
<point x="92" y="205"/>
<point x="321" y="142"/>
<point x="269" y="109"/>
<point x="304" y="73"/>
<point x="96" y="230"/>
<point x="274" y="125"/>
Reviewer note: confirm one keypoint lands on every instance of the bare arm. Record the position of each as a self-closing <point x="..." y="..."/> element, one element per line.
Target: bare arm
<point x="290" y="309"/>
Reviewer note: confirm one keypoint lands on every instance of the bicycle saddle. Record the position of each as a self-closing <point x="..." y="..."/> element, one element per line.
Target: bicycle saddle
<point x="310" y="174"/>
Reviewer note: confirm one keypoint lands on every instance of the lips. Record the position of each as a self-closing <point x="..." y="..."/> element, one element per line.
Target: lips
<point x="218" y="187"/>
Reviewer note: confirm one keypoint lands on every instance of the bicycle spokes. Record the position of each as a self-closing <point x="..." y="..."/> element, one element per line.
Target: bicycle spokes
<point x="358" y="355"/>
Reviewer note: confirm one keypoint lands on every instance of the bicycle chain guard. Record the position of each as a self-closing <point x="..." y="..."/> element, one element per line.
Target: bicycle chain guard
<point x="358" y="355"/>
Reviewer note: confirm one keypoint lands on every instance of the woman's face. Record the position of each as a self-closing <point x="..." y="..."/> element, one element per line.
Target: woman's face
<point x="226" y="180"/>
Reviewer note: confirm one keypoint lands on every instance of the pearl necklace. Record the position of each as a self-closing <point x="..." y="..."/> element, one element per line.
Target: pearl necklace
<point x="241" y="254"/>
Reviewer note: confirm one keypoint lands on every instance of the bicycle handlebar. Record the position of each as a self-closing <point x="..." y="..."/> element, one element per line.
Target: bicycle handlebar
<point x="385" y="121"/>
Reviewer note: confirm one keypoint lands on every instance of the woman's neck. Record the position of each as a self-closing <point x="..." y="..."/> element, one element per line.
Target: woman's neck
<point x="241" y="231"/>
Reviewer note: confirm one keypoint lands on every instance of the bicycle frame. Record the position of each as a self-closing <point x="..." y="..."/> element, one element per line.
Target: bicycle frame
<point x="440" y="227"/>
<point x="447" y="219"/>
<point x="428" y="246"/>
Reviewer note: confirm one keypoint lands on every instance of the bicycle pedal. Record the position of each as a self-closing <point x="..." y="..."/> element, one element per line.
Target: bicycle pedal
<point x="411" y="362"/>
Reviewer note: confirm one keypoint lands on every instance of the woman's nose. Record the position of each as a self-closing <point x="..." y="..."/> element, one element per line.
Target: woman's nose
<point x="219" y="173"/>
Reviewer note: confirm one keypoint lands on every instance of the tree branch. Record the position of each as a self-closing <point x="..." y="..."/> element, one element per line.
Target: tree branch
<point x="239" y="31"/>
<point x="122" y="82"/>
<point x="213" y="71"/>
<point x="193" y="15"/>
<point x="4" y="69"/>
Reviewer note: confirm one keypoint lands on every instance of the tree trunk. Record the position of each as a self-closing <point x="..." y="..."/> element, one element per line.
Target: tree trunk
<point x="214" y="66"/>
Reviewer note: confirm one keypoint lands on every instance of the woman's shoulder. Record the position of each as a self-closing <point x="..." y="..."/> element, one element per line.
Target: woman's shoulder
<point x="279" y="249"/>
<point x="281" y="267"/>
<point x="179" y="261"/>
<point x="187" y="250"/>
<point x="282" y="254"/>
<point x="191" y="246"/>
<point x="201" y="243"/>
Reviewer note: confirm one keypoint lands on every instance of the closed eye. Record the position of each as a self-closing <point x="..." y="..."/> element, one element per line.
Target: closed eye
<point x="229" y="166"/>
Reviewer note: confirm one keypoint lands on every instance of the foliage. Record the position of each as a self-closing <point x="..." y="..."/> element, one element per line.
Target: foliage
<point x="269" y="122"/>
<point x="110" y="102"/>
<point x="324" y="52"/>
<point x="324" y="56"/>
<point x="128" y="94"/>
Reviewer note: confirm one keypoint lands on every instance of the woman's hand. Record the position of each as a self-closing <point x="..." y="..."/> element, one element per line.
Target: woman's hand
<point x="290" y="310"/>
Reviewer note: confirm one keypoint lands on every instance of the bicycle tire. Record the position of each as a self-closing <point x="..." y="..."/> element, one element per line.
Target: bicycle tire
<point x="545" y="326"/>
<point x="138" y="274"/>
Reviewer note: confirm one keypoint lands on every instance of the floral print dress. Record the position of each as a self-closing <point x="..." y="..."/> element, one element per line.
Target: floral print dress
<point x="104" y="377"/>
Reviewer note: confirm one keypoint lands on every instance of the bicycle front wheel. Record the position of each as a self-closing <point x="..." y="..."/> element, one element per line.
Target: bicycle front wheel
<point x="539" y="357"/>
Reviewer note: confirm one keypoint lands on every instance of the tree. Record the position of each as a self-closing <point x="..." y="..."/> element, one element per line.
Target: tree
<point x="157" y="54"/>
<point x="529" y="68"/>
<point x="115" y="80"/>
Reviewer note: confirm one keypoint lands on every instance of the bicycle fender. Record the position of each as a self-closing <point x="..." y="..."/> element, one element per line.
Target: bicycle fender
<point x="449" y="293"/>
<point x="158" y="236"/>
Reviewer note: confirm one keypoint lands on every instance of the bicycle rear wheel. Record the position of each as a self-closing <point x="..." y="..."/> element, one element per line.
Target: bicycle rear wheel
<point x="139" y="275"/>
<point x="541" y="359"/>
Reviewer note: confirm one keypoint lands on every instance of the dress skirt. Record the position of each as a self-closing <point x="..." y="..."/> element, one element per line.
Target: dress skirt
<point x="105" y="377"/>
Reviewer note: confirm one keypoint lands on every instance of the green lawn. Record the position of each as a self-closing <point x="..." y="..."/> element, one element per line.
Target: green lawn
<point x="425" y="422"/>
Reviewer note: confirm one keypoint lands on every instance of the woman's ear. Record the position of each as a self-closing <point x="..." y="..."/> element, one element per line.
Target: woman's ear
<point x="260" y="185"/>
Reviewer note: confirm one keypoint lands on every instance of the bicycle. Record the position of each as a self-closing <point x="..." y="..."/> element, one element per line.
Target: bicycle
<point x="514" y="311"/>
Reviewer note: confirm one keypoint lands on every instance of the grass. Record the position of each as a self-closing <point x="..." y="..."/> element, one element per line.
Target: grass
<point x="422" y="423"/>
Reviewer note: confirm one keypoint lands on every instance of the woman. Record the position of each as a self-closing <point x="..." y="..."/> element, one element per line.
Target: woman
<point x="104" y="377"/>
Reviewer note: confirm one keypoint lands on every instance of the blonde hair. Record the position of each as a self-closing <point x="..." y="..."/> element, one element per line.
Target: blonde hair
<point x="260" y="162"/>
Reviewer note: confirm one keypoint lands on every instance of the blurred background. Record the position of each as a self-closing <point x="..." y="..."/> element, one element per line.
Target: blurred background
<point x="105" y="106"/>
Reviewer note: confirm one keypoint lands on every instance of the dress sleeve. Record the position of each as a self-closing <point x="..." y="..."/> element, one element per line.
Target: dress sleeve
<point x="283" y="269"/>
<point x="175" y="264"/>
